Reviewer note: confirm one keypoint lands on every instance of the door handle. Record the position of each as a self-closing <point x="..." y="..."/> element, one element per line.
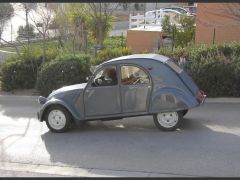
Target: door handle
<point x="133" y="87"/>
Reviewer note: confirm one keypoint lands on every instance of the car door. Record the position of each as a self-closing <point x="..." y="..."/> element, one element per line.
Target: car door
<point x="102" y="96"/>
<point x="135" y="87"/>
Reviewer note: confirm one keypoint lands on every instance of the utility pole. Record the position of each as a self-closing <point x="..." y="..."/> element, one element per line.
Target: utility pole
<point x="214" y="32"/>
<point x="144" y="14"/>
<point x="156" y="13"/>
<point x="27" y="24"/>
<point x="11" y="32"/>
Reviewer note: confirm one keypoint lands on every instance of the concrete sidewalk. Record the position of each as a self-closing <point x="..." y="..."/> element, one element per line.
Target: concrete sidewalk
<point x="31" y="170"/>
<point x="34" y="98"/>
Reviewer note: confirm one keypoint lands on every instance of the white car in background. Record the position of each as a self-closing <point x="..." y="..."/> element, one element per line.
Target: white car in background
<point x="156" y="16"/>
<point x="167" y="11"/>
<point x="179" y="10"/>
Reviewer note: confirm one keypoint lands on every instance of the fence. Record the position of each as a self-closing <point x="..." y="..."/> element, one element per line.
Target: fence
<point x="151" y="18"/>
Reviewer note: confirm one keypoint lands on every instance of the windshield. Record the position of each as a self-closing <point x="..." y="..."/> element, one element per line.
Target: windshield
<point x="94" y="68"/>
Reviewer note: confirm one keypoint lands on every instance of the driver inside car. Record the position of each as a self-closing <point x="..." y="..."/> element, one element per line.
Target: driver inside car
<point x="109" y="78"/>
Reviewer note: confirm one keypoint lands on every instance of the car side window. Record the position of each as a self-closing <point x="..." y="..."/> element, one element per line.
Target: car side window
<point x="133" y="75"/>
<point x="107" y="76"/>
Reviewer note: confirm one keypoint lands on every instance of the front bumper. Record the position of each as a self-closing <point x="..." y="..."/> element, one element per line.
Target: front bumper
<point x="41" y="100"/>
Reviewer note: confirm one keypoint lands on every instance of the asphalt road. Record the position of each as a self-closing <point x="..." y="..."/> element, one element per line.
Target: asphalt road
<point x="207" y="144"/>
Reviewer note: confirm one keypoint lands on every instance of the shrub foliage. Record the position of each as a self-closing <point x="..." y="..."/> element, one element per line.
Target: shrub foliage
<point x="59" y="72"/>
<point x="216" y="69"/>
<point x="17" y="75"/>
<point x="107" y="54"/>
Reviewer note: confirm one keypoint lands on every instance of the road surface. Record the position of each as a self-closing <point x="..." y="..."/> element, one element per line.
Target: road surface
<point x="207" y="144"/>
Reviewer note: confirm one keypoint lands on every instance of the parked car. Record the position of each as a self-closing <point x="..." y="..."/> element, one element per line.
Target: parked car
<point x="156" y="16"/>
<point x="178" y="9"/>
<point x="134" y="85"/>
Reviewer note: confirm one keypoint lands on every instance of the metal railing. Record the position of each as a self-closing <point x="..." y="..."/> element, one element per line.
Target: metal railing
<point x="151" y="18"/>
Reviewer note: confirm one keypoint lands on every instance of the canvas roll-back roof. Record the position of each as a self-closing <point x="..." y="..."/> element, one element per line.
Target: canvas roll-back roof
<point x="157" y="57"/>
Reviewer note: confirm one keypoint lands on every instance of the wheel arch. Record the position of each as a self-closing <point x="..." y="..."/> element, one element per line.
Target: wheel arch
<point x="173" y="99"/>
<point x="60" y="103"/>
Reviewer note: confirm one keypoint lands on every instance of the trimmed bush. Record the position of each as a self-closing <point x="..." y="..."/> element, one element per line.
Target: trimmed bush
<point x="78" y="57"/>
<point x="216" y="68"/>
<point x="115" y="41"/>
<point x="17" y="75"/>
<point x="56" y="74"/>
<point x="107" y="54"/>
<point x="217" y="76"/>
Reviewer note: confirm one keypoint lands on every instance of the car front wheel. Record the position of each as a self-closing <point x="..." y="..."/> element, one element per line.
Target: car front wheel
<point x="58" y="119"/>
<point x="168" y="121"/>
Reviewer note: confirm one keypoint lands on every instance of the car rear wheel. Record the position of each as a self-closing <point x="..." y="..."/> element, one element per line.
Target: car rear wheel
<point x="168" y="121"/>
<point x="58" y="119"/>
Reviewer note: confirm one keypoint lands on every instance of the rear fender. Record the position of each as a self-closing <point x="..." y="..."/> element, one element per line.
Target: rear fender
<point x="171" y="99"/>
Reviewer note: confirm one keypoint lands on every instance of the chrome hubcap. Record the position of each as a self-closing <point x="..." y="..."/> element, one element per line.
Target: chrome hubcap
<point x="56" y="119"/>
<point x="167" y="119"/>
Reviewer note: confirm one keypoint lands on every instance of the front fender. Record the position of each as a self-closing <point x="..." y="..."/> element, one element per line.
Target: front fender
<point x="54" y="101"/>
<point x="171" y="99"/>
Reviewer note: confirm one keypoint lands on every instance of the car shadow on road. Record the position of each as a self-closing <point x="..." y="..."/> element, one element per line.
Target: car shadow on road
<point x="126" y="144"/>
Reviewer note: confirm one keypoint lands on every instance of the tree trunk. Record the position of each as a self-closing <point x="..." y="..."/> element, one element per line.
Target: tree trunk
<point x="44" y="48"/>
<point x="84" y="38"/>
<point x="100" y="35"/>
<point x="73" y="42"/>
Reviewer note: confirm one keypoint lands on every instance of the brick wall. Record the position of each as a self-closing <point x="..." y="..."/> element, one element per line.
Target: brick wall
<point x="220" y="17"/>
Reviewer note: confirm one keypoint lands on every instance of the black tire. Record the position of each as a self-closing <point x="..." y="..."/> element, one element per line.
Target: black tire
<point x="172" y="128"/>
<point x="184" y="112"/>
<point x="67" y="115"/>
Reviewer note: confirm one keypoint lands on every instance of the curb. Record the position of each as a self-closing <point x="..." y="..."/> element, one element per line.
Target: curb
<point x="223" y="100"/>
<point x="81" y="172"/>
<point x="18" y="98"/>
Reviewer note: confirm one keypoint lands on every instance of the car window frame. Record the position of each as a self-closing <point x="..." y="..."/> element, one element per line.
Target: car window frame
<point x="138" y="66"/>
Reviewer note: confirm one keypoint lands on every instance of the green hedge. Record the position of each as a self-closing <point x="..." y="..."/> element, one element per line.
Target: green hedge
<point x="17" y="75"/>
<point x="196" y="53"/>
<point x="107" y="54"/>
<point x="216" y="68"/>
<point x="217" y="76"/>
<point x="59" y="72"/>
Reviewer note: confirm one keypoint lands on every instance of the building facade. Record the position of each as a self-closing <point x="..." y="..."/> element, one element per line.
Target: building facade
<point x="217" y="23"/>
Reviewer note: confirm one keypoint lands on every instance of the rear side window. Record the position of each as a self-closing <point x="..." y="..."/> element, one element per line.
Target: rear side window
<point x="133" y="75"/>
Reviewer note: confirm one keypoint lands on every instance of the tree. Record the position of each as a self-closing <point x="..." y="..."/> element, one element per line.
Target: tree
<point x="181" y="28"/>
<point x="78" y="17"/>
<point x="6" y="12"/>
<point x="27" y="8"/>
<point x="63" y="25"/>
<point x="42" y="18"/>
<point x="99" y="22"/>
<point x="136" y="6"/>
<point x="125" y="6"/>
<point x="26" y="31"/>
<point x="85" y="20"/>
